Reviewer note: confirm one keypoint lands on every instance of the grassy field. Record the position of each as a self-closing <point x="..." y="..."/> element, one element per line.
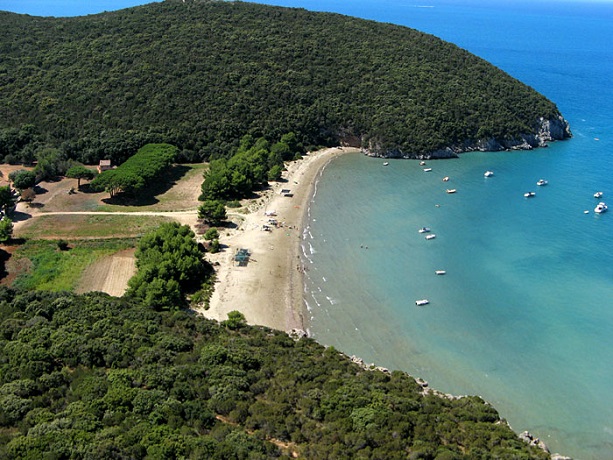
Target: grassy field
<point x="52" y="269"/>
<point x="38" y="263"/>
<point x="70" y="227"/>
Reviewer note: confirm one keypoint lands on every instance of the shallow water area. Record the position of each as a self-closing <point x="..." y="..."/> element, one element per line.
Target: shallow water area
<point x="522" y="315"/>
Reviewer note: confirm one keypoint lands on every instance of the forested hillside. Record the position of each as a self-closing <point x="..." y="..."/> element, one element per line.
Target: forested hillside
<point x="93" y="377"/>
<point x="200" y="75"/>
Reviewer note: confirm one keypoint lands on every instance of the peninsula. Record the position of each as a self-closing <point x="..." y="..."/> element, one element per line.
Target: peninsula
<point x="201" y="74"/>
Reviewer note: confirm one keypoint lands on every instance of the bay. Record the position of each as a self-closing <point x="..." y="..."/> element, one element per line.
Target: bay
<point x="524" y="315"/>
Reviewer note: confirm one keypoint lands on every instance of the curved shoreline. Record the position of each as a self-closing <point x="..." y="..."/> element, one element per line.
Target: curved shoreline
<point x="269" y="289"/>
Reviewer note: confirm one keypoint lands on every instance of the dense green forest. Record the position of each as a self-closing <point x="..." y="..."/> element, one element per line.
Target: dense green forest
<point x="200" y="75"/>
<point x="93" y="377"/>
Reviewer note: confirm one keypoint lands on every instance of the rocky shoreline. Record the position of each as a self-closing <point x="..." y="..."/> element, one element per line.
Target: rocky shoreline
<point x="547" y="130"/>
<point x="525" y="436"/>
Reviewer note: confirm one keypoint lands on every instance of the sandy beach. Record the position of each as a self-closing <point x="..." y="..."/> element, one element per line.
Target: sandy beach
<point x="268" y="289"/>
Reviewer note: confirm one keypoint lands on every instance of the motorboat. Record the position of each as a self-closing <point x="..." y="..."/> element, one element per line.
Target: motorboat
<point x="431" y="236"/>
<point x="421" y="302"/>
<point x="424" y="230"/>
<point x="446" y="179"/>
<point x="488" y="173"/>
<point x="427" y="169"/>
<point x="386" y="163"/>
<point x="440" y="272"/>
<point x="422" y="163"/>
<point x="600" y="208"/>
<point x="598" y="195"/>
<point x="529" y="194"/>
<point x="451" y="190"/>
<point x="542" y="182"/>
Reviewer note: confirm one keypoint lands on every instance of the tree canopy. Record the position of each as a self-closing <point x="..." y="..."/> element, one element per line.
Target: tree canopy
<point x="6" y="229"/>
<point x="23" y="179"/>
<point x="79" y="172"/>
<point x="199" y="75"/>
<point x="7" y="199"/>
<point x="137" y="171"/>
<point x="250" y="167"/>
<point x="169" y="265"/>
<point x="92" y="376"/>
<point x="213" y="211"/>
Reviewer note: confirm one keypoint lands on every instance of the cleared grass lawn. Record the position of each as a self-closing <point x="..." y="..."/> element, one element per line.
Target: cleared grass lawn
<point x="53" y="270"/>
<point x="71" y="227"/>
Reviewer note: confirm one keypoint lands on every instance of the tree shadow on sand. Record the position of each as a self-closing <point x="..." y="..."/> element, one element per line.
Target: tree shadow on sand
<point x="19" y="216"/>
<point x="147" y="196"/>
<point x="39" y="190"/>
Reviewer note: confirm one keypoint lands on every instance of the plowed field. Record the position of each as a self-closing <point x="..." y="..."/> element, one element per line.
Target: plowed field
<point x="110" y="274"/>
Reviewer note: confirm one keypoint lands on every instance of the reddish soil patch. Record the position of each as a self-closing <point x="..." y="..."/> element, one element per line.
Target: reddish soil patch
<point x="12" y="267"/>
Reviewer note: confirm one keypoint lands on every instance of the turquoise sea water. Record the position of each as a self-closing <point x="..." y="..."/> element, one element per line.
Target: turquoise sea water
<point x="524" y="315"/>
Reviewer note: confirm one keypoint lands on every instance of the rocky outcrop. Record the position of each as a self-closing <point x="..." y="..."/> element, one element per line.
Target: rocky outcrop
<point x="545" y="130"/>
<point x="554" y="129"/>
<point x="560" y="457"/>
<point x="526" y="436"/>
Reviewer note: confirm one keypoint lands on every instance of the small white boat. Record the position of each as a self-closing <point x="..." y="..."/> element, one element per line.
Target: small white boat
<point x="529" y="194"/>
<point x="424" y="230"/>
<point x="598" y="195"/>
<point x="440" y="272"/>
<point x="386" y="163"/>
<point x="488" y="173"/>
<point x="601" y="207"/>
<point x="431" y="236"/>
<point x="451" y="190"/>
<point x="542" y="182"/>
<point x="421" y="302"/>
<point x="427" y="169"/>
<point x="422" y="163"/>
<point x="446" y="179"/>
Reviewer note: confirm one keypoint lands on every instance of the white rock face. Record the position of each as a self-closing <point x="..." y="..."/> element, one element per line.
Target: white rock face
<point x="554" y="129"/>
<point x="547" y="130"/>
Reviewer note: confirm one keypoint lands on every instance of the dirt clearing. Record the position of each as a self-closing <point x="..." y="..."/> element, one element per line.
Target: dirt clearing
<point x="110" y="274"/>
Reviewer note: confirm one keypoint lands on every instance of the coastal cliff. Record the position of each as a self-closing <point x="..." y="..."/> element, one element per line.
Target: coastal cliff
<point x="545" y="131"/>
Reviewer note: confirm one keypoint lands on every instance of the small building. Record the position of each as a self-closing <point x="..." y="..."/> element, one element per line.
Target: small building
<point x="104" y="165"/>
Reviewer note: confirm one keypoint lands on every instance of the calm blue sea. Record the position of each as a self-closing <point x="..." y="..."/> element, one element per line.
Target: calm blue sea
<point x="62" y="8"/>
<point x="524" y="315"/>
